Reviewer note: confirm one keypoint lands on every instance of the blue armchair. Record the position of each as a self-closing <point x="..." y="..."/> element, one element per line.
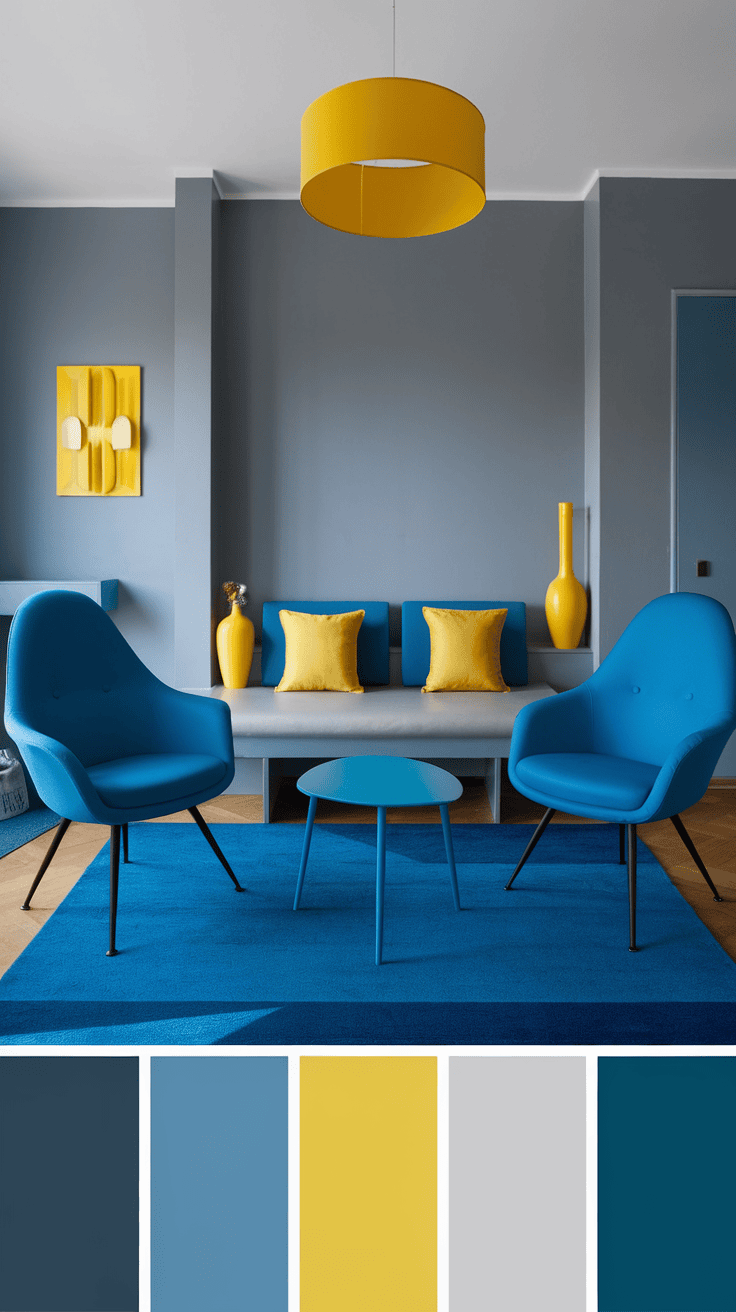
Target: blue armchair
<point x="103" y="739"/>
<point x="639" y="740"/>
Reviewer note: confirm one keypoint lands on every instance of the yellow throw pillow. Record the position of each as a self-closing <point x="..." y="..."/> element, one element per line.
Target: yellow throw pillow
<point x="465" y="649"/>
<point x="321" y="652"/>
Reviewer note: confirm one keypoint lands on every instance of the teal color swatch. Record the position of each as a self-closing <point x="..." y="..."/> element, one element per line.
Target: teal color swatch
<point x="219" y="1173"/>
<point x="666" y="1197"/>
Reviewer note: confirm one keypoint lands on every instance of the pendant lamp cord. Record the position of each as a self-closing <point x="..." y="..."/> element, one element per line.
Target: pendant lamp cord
<point x="393" y="67"/>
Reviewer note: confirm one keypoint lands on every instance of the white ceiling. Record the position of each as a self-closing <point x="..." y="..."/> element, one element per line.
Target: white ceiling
<point x="105" y="102"/>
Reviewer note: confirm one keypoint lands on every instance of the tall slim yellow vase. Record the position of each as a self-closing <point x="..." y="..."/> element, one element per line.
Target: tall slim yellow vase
<point x="235" y="637"/>
<point x="566" y="605"/>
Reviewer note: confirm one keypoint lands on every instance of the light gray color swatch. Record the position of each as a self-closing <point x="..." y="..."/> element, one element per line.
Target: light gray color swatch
<point x="517" y="1184"/>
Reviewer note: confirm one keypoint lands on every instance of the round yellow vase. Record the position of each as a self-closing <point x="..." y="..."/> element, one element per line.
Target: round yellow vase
<point x="566" y="605"/>
<point x="235" y="636"/>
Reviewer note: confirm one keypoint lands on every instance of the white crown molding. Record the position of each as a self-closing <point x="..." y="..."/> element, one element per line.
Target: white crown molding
<point x="531" y="195"/>
<point x="193" y="171"/>
<point x="260" y="195"/>
<point x="665" y="173"/>
<point x="655" y="174"/>
<point x="87" y="204"/>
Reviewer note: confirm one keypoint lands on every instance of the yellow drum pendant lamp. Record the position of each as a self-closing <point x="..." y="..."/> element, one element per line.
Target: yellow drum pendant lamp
<point x="392" y="157"/>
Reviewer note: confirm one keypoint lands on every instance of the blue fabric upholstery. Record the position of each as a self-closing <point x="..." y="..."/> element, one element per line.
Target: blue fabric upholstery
<point x="121" y="783"/>
<point x="416" y="646"/>
<point x="372" y="637"/>
<point x="583" y="777"/>
<point x="640" y="739"/>
<point x="103" y="739"/>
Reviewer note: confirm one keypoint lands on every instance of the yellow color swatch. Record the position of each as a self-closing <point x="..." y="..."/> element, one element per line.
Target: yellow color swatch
<point x="98" y="428"/>
<point x="368" y="1184"/>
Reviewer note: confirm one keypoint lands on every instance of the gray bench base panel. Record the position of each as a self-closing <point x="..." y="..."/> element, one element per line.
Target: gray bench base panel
<point x="272" y="766"/>
<point x="276" y="729"/>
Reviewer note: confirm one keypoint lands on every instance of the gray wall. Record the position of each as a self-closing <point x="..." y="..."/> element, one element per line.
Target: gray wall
<point x="400" y="418"/>
<point x="655" y="235"/>
<point x="592" y="257"/>
<point x="90" y="286"/>
<point x="196" y="229"/>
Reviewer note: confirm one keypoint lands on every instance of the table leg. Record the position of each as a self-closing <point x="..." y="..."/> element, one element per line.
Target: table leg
<point x="305" y="851"/>
<point x="447" y="831"/>
<point x="380" y="879"/>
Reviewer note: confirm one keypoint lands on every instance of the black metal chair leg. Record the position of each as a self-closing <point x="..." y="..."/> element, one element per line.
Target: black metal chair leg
<point x="689" y="844"/>
<point x="53" y="848"/>
<point x="205" y="830"/>
<point x="125" y="843"/>
<point x="114" y="868"/>
<point x="631" y="836"/>
<point x="622" y="845"/>
<point x="532" y="843"/>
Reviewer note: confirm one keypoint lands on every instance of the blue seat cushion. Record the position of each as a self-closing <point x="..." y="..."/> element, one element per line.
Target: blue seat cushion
<point x="133" y="781"/>
<point x="589" y="779"/>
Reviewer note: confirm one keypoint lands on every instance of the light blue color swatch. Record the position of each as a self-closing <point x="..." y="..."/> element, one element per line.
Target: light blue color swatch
<point x="219" y="1171"/>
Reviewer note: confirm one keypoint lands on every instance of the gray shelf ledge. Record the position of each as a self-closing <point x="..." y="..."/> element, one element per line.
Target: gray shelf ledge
<point x="14" y="591"/>
<point x="560" y="667"/>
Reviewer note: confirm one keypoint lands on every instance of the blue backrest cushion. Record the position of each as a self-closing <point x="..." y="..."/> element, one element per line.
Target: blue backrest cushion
<point x="671" y="674"/>
<point x="416" y="647"/>
<point x="372" y="637"/>
<point x="73" y="676"/>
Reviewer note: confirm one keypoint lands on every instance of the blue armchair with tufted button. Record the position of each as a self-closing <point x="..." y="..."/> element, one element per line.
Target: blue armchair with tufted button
<point x="640" y="739"/>
<point x="103" y="739"/>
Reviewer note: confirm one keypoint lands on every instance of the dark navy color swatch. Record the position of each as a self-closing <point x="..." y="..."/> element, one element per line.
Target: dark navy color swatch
<point x="219" y="1177"/>
<point x="68" y="1184"/>
<point x="666" y="1199"/>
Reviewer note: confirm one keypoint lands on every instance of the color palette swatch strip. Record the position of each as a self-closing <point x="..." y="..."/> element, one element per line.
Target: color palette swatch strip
<point x="368" y="1158"/>
<point x="399" y="1182"/>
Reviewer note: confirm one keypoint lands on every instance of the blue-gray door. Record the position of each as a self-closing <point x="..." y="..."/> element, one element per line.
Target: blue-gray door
<point x="706" y="455"/>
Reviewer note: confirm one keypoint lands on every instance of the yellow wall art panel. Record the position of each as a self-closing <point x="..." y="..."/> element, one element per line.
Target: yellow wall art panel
<point x="98" y="430"/>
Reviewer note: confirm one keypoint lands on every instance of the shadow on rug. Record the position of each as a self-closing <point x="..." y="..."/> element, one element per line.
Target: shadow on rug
<point x="368" y="1023"/>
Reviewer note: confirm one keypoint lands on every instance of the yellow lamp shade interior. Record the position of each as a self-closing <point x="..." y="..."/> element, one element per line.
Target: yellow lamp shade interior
<point x="393" y="118"/>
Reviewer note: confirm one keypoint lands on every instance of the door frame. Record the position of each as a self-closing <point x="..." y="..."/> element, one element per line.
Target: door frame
<point x="674" y="480"/>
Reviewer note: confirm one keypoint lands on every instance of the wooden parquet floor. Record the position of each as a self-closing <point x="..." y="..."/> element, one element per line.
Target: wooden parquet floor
<point x="711" y="824"/>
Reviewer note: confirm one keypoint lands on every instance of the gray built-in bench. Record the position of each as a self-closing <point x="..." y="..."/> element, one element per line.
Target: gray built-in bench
<point x="388" y="719"/>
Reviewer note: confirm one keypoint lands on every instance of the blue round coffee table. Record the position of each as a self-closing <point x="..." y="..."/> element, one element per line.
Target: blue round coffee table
<point x="380" y="781"/>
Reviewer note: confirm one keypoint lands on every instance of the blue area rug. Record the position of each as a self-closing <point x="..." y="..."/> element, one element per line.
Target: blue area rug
<point x="200" y="963"/>
<point x="20" y="829"/>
